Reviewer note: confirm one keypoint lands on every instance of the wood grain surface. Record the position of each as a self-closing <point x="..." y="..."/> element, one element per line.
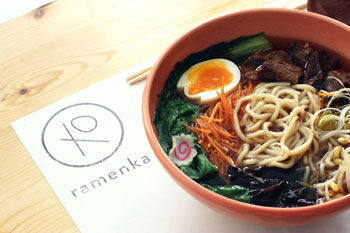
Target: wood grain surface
<point x="66" y="46"/>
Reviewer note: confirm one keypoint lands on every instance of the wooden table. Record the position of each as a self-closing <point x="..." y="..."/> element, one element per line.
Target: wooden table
<point x="66" y="46"/>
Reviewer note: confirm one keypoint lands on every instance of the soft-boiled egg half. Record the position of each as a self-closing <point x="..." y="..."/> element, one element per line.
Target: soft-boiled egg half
<point x="201" y="82"/>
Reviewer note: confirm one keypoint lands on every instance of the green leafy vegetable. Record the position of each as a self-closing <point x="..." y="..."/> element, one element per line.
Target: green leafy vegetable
<point x="241" y="48"/>
<point x="233" y="191"/>
<point x="170" y="120"/>
<point x="200" y="166"/>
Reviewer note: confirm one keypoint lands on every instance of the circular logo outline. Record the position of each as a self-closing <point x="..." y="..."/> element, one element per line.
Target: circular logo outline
<point x="90" y="164"/>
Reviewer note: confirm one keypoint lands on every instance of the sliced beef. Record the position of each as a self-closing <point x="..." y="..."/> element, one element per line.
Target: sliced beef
<point x="258" y="59"/>
<point x="342" y="75"/>
<point x="332" y="84"/>
<point x="317" y="67"/>
<point x="279" y="55"/>
<point x="336" y="80"/>
<point x="327" y="61"/>
<point x="300" y="54"/>
<point x="252" y="75"/>
<point x="299" y="63"/>
<point x="273" y="66"/>
<point x="252" y="63"/>
<point x="275" y="70"/>
<point x="314" y="74"/>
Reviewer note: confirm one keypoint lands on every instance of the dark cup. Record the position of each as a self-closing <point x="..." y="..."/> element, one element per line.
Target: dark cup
<point x="336" y="9"/>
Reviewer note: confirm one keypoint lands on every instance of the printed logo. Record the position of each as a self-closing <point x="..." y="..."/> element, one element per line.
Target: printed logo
<point x="82" y="135"/>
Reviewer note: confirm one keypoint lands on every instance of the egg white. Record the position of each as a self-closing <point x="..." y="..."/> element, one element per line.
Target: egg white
<point x="208" y="97"/>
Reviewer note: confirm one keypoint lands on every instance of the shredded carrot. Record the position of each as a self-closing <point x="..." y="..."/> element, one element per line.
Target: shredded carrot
<point x="225" y="105"/>
<point x="325" y="94"/>
<point x="250" y="87"/>
<point x="204" y="131"/>
<point x="320" y="96"/>
<point x="320" y="102"/>
<point x="214" y="128"/>
<point x="214" y="112"/>
<point x="214" y="119"/>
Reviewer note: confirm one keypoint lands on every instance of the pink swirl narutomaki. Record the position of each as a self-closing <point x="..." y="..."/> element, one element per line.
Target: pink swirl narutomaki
<point x="183" y="150"/>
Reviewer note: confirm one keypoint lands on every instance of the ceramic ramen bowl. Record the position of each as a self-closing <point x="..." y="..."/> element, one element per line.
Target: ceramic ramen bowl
<point x="279" y="25"/>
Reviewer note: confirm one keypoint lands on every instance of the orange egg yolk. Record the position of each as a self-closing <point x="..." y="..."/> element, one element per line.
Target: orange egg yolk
<point x="208" y="76"/>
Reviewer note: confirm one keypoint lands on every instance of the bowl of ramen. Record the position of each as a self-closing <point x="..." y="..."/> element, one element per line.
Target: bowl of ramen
<point x="250" y="114"/>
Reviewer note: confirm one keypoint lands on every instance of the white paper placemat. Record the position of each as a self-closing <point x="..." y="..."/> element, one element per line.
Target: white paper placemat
<point x="10" y="9"/>
<point x="92" y="149"/>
